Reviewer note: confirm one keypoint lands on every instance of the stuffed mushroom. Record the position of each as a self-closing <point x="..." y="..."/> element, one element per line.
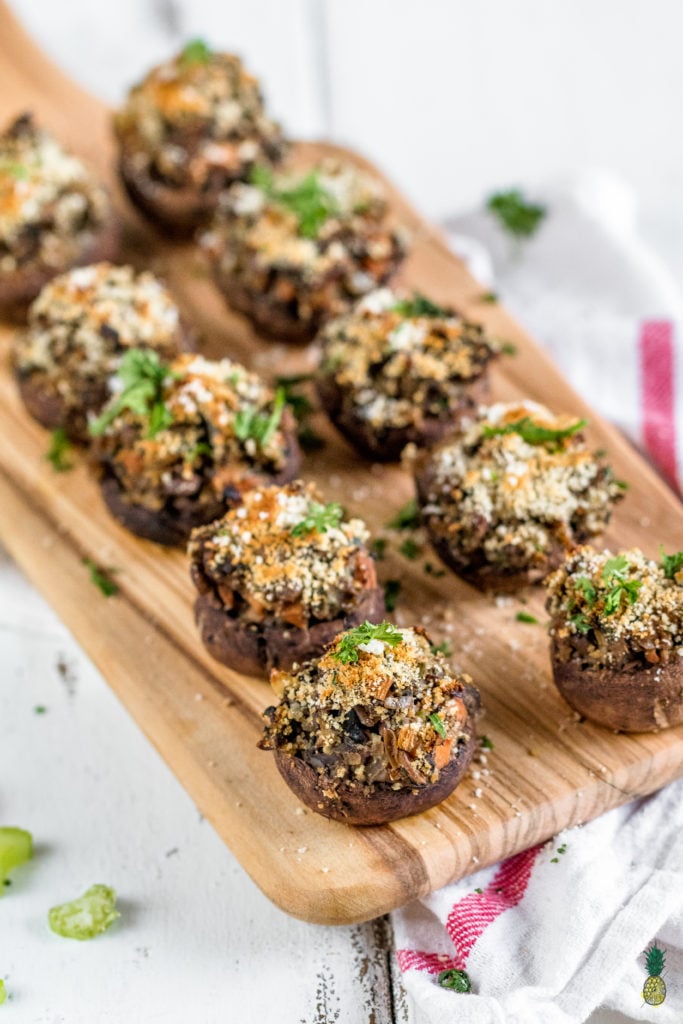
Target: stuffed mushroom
<point x="617" y="637"/>
<point x="400" y="370"/>
<point x="377" y="728"/>
<point x="54" y="215"/>
<point x="506" y="498"/>
<point x="79" y="328"/>
<point x="291" y="249"/>
<point x="182" y="441"/>
<point x="279" y="576"/>
<point x="192" y="127"/>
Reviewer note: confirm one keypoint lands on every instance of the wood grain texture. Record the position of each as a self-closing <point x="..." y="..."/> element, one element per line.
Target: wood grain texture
<point x="547" y="771"/>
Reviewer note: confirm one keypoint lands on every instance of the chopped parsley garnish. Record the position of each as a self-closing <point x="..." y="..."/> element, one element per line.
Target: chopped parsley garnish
<point x="562" y="849"/>
<point x="490" y="298"/>
<point x="392" y="588"/>
<point x="252" y="424"/>
<point x="16" y="847"/>
<point x="101" y="578"/>
<point x="302" y="409"/>
<point x="621" y="588"/>
<point x="39" y="709"/>
<point x="526" y="617"/>
<point x="432" y="570"/>
<point x="410" y="548"/>
<point x="347" y="648"/>
<point x="3" y="992"/>
<point x="439" y="727"/>
<point x="197" y="51"/>
<point x="15" y="170"/>
<point x="407" y="518"/>
<point x="580" y="622"/>
<point x="671" y="564"/>
<point x="85" y="917"/>
<point x="420" y="305"/>
<point x="143" y="375"/>
<point x="534" y="433"/>
<point x="479" y="891"/>
<point x="554" y="860"/>
<point x="58" y="452"/>
<point x="319" y="519"/>
<point x="378" y="547"/>
<point x="308" y="200"/>
<point x="516" y="215"/>
<point x="445" y="648"/>
<point x="587" y="589"/>
<point x="485" y="743"/>
<point x="457" y="981"/>
<point x="508" y="348"/>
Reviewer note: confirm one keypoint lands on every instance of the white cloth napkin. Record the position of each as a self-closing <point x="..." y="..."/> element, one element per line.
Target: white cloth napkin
<point x="558" y="931"/>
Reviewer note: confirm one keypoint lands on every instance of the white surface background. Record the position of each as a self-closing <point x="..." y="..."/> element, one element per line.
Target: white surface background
<point x="455" y="99"/>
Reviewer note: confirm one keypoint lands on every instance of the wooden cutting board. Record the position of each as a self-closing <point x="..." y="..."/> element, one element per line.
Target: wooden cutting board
<point x="547" y="770"/>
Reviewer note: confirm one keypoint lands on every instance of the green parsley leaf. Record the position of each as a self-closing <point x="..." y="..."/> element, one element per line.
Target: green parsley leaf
<point x="410" y="548"/>
<point x="562" y="849"/>
<point x="308" y="200"/>
<point x="39" y="709"/>
<point x="16" y="847"/>
<point x="589" y="592"/>
<point x="615" y="568"/>
<point x="319" y="519"/>
<point x="347" y="646"/>
<point x="532" y="432"/>
<point x="58" y="452"/>
<point x="554" y="860"/>
<point x="480" y="891"/>
<point x="490" y="298"/>
<point x="392" y="588"/>
<point x="432" y="570"/>
<point x="671" y="564"/>
<point x="508" y="348"/>
<point x="407" y="518"/>
<point x="485" y="743"/>
<point x="143" y="375"/>
<point x="378" y="547"/>
<point x="299" y="403"/>
<point x="439" y="727"/>
<point x="85" y="917"/>
<point x="101" y="578"/>
<point x="456" y="981"/>
<point x="420" y="305"/>
<point x="526" y="617"/>
<point x="14" y="169"/>
<point x="445" y="648"/>
<point x="252" y="424"/>
<point x="580" y="622"/>
<point x="516" y="215"/>
<point x="196" y="51"/>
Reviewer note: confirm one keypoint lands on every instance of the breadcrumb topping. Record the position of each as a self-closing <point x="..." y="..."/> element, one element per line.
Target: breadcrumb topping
<point x="395" y="369"/>
<point x="490" y="490"/>
<point x="347" y="248"/>
<point x="393" y="717"/>
<point x="83" y="321"/>
<point x="263" y="562"/>
<point x="51" y="206"/>
<point x="189" y="120"/>
<point x="201" y="447"/>
<point x="612" y="609"/>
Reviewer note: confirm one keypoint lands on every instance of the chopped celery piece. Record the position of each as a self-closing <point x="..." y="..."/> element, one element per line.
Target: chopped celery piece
<point x="16" y="847"/>
<point x="87" y="916"/>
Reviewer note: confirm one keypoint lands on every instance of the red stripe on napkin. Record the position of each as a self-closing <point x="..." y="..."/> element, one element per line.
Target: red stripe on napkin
<point x="656" y="350"/>
<point x="471" y="916"/>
